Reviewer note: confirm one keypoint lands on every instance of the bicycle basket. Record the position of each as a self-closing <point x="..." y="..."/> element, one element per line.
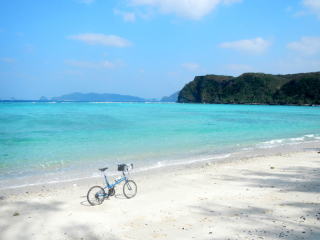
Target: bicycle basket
<point x="125" y="167"/>
<point x="122" y="167"/>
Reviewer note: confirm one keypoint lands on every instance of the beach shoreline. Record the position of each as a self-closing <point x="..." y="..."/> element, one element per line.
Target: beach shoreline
<point x="171" y="166"/>
<point x="261" y="197"/>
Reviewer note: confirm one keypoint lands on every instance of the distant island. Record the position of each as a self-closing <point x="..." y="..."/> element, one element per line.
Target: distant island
<point x="254" y="88"/>
<point x="96" y="97"/>
<point x="108" y="97"/>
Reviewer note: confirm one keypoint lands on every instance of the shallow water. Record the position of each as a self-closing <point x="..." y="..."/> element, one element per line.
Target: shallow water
<point x="60" y="141"/>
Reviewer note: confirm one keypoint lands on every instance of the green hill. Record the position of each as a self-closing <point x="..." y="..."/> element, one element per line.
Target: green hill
<point x="254" y="88"/>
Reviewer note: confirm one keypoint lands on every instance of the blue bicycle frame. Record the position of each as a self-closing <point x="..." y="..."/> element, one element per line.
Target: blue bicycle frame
<point x="118" y="181"/>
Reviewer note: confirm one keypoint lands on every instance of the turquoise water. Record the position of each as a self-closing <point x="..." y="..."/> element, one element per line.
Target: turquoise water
<point x="57" y="141"/>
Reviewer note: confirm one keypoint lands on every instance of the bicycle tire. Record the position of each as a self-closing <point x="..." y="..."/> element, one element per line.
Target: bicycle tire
<point x="98" y="195"/>
<point x="130" y="189"/>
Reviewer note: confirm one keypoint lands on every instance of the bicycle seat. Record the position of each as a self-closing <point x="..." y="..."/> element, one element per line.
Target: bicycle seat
<point x="103" y="169"/>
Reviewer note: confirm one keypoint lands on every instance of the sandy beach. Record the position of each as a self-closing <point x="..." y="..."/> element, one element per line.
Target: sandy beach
<point x="274" y="197"/>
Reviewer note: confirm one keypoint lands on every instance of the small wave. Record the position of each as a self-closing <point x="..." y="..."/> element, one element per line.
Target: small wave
<point x="247" y="149"/>
<point x="275" y="141"/>
<point x="297" y="139"/>
<point x="171" y="163"/>
<point x="100" y="102"/>
<point x="289" y="141"/>
<point x="46" y="182"/>
<point x="310" y="135"/>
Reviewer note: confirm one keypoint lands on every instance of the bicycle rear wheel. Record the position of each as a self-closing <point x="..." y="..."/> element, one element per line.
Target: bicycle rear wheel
<point x="130" y="189"/>
<point x="96" y="195"/>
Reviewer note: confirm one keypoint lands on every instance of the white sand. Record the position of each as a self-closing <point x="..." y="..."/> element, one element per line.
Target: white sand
<point x="274" y="197"/>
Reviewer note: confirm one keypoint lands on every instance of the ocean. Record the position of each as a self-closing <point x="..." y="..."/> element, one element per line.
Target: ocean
<point x="51" y="142"/>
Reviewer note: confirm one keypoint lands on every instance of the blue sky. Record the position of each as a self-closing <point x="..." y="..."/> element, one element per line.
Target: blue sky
<point x="149" y="48"/>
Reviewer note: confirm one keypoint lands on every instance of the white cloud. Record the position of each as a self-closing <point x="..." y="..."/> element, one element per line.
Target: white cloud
<point x="126" y="16"/>
<point x="313" y="6"/>
<point x="190" y="66"/>
<point x="255" y="46"/>
<point x="194" y="9"/>
<point x="7" y="60"/>
<point x="306" y="45"/>
<point x="101" y="39"/>
<point x="90" y="64"/>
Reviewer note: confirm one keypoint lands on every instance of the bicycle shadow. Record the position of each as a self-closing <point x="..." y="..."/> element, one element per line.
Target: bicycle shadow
<point x="119" y="196"/>
<point x="85" y="202"/>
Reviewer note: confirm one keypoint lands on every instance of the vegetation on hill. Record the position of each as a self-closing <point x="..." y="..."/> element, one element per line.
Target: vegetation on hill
<point x="254" y="88"/>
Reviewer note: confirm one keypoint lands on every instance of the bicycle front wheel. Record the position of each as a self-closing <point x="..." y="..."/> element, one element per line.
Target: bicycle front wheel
<point x="130" y="189"/>
<point x="96" y="195"/>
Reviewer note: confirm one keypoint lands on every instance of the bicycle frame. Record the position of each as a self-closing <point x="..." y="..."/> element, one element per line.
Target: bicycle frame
<point x="118" y="181"/>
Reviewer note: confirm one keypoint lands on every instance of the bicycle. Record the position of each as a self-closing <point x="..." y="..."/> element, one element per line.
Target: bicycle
<point x="97" y="194"/>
